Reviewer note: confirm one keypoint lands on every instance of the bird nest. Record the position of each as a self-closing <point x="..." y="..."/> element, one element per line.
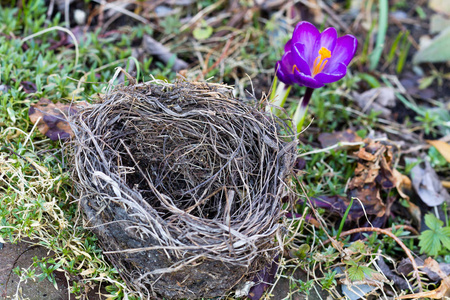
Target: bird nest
<point x="182" y="184"/>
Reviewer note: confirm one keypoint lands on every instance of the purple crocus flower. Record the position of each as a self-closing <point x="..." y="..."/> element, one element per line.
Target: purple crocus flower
<point x="313" y="59"/>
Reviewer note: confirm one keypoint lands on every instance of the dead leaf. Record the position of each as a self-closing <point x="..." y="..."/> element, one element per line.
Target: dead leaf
<point x="442" y="291"/>
<point x="373" y="174"/>
<point x="403" y="185"/>
<point x="405" y="267"/>
<point x="374" y="165"/>
<point x="427" y="185"/>
<point x="329" y="139"/>
<point x="435" y="267"/>
<point x="369" y="195"/>
<point x="399" y="281"/>
<point x="264" y="279"/>
<point x="377" y="99"/>
<point x="157" y="49"/>
<point x="28" y="87"/>
<point x="52" y="117"/>
<point x="442" y="147"/>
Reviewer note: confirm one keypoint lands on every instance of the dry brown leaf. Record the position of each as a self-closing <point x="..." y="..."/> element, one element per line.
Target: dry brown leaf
<point x="329" y="139"/>
<point x="402" y="183"/>
<point x="374" y="165"/>
<point x="442" y="147"/>
<point x="442" y="291"/>
<point x="52" y="117"/>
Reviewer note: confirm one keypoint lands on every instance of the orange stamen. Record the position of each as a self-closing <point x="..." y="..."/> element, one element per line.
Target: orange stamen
<point x="318" y="65"/>
<point x="293" y="68"/>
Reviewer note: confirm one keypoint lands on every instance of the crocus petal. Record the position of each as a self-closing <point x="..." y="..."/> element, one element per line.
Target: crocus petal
<point x="307" y="34"/>
<point x="282" y="75"/>
<point x="287" y="62"/>
<point x="298" y="52"/>
<point x="343" y="52"/>
<point x="337" y="74"/>
<point x="328" y="39"/>
<point x="288" y="46"/>
<point x="306" y="80"/>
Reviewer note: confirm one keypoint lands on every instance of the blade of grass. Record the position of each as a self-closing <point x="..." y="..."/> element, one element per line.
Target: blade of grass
<point x="341" y="226"/>
<point x="404" y="53"/>
<point x="405" y="101"/>
<point x="381" y="34"/>
<point x="391" y="54"/>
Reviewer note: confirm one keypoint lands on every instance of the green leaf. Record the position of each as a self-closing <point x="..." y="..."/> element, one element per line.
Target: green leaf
<point x="432" y="240"/>
<point x="426" y="82"/>
<point x="357" y="272"/>
<point x="436" y="158"/>
<point x="358" y="247"/>
<point x="371" y="80"/>
<point x="432" y="222"/>
<point x="203" y="32"/>
<point x="394" y="47"/>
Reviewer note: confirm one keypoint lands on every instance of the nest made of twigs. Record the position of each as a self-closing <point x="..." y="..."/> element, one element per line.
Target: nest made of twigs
<point x="182" y="184"/>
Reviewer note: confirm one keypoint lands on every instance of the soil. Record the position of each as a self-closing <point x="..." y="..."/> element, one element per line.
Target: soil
<point x="21" y="256"/>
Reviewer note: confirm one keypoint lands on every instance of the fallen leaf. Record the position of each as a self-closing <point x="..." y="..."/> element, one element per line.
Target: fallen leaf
<point x="157" y="49"/>
<point x="373" y="174"/>
<point x="405" y="268"/>
<point x="264" y="279"/>
<point x="52" y="117"/>
<point x="369" y="197"/>
<point x="427" y="185"/>
<point x="28" y="87"/>
<point x="374" y="165"/>
<point x="403" y="184"/>
<point x="442" y="291"/>
<point x="399" y="281"/>
<point x="377" y="99"/>
<point x="329" y="139"/>
<point x="442" y="147"/>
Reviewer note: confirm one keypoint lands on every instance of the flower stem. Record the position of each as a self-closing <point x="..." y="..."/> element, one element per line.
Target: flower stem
<point x="299" y="117"/>
<point x="278" y="96"/>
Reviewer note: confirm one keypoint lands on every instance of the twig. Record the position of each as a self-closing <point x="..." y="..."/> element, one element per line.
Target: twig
<point x="222" y="56"/>
<point x="390" y="234"/>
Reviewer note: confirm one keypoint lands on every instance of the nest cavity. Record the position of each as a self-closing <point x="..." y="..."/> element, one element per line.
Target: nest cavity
<point x="182" y="184"/>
